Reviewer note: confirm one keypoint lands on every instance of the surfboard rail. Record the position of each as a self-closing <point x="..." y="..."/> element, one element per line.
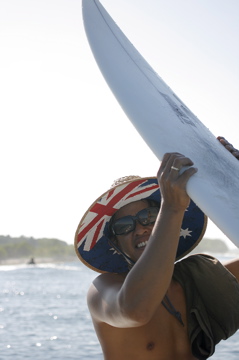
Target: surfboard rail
<point x="164" y="122"/>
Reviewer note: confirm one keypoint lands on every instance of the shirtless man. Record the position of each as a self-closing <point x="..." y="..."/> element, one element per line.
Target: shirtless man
<point x="127" y="310"/>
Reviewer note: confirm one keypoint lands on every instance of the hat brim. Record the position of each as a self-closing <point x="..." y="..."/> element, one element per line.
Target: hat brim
<point x="91" y="238"/>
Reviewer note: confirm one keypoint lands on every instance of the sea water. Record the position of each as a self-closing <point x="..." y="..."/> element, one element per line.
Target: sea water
<point x="44" y="315"/>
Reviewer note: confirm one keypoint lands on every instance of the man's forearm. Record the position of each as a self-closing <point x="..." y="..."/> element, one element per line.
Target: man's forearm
<point x="147" y="283"/>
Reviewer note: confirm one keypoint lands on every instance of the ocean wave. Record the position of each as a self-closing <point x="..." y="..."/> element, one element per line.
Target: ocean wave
<point x="55" y="266"/>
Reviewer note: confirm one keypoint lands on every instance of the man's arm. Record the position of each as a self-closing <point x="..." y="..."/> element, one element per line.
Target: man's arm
<point x="103" y="301"/>
<point x="132" y="301"/>
<point x="233" y="267"/>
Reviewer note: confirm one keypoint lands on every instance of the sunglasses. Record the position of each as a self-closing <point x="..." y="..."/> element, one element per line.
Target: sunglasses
<point x="126" y="224"/>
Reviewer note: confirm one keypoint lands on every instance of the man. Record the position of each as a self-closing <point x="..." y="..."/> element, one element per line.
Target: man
<point x="152" y="308"/>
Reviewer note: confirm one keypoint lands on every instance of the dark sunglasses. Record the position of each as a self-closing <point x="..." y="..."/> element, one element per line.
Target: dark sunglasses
<point x="126" y="224"/>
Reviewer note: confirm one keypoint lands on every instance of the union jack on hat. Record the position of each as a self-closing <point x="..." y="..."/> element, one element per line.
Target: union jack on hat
<point x="92" y="242"/>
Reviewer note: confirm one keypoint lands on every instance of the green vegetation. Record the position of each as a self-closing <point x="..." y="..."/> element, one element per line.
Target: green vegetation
<point x="26" y="248"/>
<point x="212" y="246"/>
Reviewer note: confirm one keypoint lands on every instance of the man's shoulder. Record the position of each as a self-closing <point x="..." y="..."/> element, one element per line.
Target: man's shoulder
<point x="103" y="290"/>
<point x="104" y="283"/>
<point x="106" y="278"/>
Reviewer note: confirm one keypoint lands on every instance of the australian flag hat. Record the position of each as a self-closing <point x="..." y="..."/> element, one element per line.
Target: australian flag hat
<point x="92" y="236"/>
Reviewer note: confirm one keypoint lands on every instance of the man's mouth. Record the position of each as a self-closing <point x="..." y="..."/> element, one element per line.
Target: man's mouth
<point x="142" y="244"/>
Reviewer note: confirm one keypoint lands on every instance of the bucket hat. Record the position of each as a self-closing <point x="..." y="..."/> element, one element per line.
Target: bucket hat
<point x="92" y="243"/>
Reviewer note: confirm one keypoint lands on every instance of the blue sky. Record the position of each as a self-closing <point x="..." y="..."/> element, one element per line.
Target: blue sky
<point x="64" y="138"/>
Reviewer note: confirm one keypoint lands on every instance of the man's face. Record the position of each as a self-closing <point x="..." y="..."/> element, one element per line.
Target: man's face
<point x="134" y="243"/>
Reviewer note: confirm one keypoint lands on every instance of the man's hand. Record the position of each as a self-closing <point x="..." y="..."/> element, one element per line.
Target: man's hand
<point x="229" y="146"/>
<point x="172" y="182"/>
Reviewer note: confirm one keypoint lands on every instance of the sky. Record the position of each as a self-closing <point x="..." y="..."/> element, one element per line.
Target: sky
<point x="64" y="137"/>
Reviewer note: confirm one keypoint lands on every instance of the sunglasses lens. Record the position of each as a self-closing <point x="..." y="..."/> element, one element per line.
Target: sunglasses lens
<point x="126" y="224"/>
<point x="148" y="216"/>
<point x="123" y="225"/>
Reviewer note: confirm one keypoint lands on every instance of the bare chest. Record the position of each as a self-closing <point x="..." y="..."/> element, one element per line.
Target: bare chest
<point x="164" y="337"/>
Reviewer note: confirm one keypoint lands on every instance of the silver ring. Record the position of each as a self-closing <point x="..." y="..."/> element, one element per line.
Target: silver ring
<point x="174" y="168"/>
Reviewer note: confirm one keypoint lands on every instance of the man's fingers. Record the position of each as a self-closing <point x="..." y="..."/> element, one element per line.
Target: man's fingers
<point x="229" y="147"/>
<point x="171" y="165"/>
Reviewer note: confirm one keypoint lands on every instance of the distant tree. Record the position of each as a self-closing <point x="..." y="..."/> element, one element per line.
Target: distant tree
<point x="3" y="253"/>
<point x="24" y="247"/>
<point x="211" y="245"/>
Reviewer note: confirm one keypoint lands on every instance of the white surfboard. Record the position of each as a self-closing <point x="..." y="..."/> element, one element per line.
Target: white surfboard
<point x="163" y="121"/>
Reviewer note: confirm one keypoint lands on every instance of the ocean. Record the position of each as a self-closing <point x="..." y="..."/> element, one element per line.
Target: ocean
<point x="44" y="315"/>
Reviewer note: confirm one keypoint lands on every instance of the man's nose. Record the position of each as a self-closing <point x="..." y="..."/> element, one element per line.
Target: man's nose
<point x="141" y="229"/>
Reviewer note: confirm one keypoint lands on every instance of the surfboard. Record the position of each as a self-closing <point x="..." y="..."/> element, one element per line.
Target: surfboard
<point x="164" y="122"/>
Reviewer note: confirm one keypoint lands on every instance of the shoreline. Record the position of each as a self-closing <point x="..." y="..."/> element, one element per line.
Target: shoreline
<point x="25" y="261"/>
<point x="53" y="260"/>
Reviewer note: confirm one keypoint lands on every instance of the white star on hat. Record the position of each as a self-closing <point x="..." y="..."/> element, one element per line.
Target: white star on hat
<point x="185" y="232"/>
